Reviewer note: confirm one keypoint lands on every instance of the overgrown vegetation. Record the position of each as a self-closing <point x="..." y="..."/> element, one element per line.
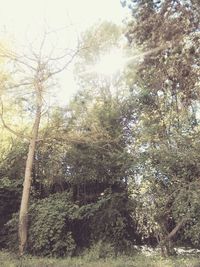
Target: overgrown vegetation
<point x="10" y="260"/>
<point x="120" y="165"/>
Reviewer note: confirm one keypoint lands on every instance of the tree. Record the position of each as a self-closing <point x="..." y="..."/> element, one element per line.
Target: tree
<point x="168" y="91"/>
<point x="34" y="74"/>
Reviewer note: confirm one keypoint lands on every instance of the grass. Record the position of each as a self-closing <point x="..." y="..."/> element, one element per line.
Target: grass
<point x="11" y="260"/>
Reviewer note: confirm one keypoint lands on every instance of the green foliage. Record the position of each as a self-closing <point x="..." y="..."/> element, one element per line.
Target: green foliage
<point x="52" y="220"/>
<point x="99" y="39"/>
<point x="168" y="126"/>
<point x="113" y="224"/>
<point x="12" y="165"/>
<point x="11" y="173"/>
<point x="49" y="232"/>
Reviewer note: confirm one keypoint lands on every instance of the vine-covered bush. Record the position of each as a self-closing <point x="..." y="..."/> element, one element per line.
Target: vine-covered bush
<point x="59" y="227"/>
<point x="49" y="227"/>
<point x="50" y="232"/>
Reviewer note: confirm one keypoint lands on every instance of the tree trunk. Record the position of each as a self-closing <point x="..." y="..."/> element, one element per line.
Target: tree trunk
<point x="23" y="214"/>
<point x="166" y="243"/>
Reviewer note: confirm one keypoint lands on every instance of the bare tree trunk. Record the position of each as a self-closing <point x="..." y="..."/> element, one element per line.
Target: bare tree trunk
<point x="23" y="215"/>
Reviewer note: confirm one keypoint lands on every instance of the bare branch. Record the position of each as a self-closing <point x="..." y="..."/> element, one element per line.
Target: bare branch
<point x="65" y="65"/>
<point x="7" y="127"/>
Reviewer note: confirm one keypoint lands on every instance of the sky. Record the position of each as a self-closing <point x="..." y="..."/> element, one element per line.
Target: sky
<point x="24" y="21"/>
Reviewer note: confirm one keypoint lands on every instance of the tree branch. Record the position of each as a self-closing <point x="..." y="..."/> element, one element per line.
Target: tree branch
<point x="7" y="127"/>
<point x="174" y="231"/>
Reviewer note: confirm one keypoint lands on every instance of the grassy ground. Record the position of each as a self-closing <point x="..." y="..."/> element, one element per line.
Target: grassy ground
<point x="11" y="260"/>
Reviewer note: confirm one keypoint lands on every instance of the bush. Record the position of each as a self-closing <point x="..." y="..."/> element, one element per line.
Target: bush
<point x="49" y="227"/>
<point x="58" y="227"/>
<point x="50" y="230"/>
<point x="112" y="223"/>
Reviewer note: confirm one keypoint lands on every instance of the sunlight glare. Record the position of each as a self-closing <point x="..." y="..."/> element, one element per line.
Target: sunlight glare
<point x="115" y="61"/>
<point x="110" y="63"/>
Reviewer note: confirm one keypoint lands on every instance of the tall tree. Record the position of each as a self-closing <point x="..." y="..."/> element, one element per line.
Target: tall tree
<point x="33" y="73"/>
<point x="167" y="82"/>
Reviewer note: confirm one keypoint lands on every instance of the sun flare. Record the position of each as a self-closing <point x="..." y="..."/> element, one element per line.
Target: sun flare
<point x="115" y="61"/>
<point x="110" y="63"/>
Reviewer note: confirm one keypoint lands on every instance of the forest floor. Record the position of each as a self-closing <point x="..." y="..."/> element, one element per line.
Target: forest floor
<point x="11" y="260"/>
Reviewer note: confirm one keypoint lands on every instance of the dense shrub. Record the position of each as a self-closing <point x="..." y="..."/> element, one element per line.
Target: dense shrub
<point x="58" y="227"/>
<point x="49" y="227"/>
<point x="112" y="223"/>
<point x="50" y="232"/>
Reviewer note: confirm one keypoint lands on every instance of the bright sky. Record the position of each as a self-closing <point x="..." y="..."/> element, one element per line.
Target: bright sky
<point x="25" y="20"/>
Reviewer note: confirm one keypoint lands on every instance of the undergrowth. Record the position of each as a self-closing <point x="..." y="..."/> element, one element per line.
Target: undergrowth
<point x="12" y="260"/>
